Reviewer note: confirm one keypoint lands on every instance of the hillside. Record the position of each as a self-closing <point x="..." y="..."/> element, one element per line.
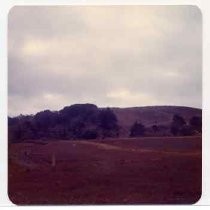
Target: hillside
<point x="153" y="115"/>
<point x="87" y="121"/>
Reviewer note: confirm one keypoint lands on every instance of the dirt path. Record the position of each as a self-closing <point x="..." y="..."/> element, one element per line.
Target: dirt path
<point x="118" y="148"/>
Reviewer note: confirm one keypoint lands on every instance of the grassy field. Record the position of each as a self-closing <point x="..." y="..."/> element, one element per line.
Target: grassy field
<point x="159" y="170"/>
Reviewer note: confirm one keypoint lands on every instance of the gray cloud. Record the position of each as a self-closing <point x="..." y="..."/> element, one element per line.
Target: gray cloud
<point x="109" y="55"/>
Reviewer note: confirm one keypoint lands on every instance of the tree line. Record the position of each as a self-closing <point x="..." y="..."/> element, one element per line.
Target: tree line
<point x="178" y="127"/>
<point x="87" y="121"/>
<point x="78" y="121"/>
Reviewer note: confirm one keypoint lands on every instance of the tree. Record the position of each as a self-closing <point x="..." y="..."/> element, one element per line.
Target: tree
<point x="155" y="128"/>
<point x="196" y="123"/>
<point x="76" y="118"/>
<point x="15" y="133"/>
<point x="187" y="130"/>
<point x="90" y="134"/>
<point x="85" y="112"/>
<point x="108" y="123"/>
<point x="177" y="124"/>
<point x="77" y="129"/>
<point x="137" y="129"/>
<point x="45" y="119"/>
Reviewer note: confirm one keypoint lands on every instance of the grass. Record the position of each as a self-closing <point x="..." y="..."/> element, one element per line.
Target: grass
<point x="116" y="171"/>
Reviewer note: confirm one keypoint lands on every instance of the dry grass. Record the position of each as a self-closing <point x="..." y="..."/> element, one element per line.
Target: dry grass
<point x="132" y="171"/>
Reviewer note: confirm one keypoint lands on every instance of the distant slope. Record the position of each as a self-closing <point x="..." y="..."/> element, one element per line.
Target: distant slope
<point x="152" y="115"/>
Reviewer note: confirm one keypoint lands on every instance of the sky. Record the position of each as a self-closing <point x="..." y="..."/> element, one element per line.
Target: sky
<point x="117" y="56"/>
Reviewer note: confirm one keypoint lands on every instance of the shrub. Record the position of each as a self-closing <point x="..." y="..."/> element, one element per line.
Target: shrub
<point x="108" y="123"/>
<point x="137" y="129"/>
<point x="90" y="134"/>
<point x="196" y="123"/>
<point x="177" y="125"/>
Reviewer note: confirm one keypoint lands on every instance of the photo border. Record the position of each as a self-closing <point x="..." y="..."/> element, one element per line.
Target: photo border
<point x="6" y="5"/>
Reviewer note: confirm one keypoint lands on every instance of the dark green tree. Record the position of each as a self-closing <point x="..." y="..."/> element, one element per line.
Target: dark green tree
<point x="90" y="134"/>
<point x="108" y="123"/>
<point x="196" y="123"/>
<point x="177" y="125"/>
<point x="137" y="129"/>
<point x="155" y="128"/>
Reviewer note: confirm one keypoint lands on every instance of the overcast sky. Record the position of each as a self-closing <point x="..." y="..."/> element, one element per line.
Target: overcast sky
<point x="109" y="55"/>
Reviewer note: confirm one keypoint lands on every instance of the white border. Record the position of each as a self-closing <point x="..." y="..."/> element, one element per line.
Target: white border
<point x="204" y="5"/>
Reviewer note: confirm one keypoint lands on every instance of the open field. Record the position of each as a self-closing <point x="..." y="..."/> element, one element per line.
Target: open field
<point x="158" y="170"/>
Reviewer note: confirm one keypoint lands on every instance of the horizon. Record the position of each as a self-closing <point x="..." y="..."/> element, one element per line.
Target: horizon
<point x="113" y="56"/>
<point x="100" y="107"/>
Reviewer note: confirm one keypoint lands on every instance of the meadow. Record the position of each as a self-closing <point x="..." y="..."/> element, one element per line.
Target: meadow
<point x="146" y="170"/>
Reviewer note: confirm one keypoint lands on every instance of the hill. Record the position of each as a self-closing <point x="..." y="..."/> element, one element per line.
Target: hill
<point x="153" y="115"/>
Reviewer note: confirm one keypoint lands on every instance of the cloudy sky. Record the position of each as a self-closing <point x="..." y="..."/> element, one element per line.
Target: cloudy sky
<point x="107" y="55"/>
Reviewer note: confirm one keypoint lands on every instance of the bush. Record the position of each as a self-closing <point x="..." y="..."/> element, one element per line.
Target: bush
<point x="137" y="129"/>
<point x="108" y="123"/>
<point x="187" y="130"/>
<point x="155" y="128"/>
<point x="196" y="123"/>
<point x="90" y="134"/>
<point x="177" y="125"/>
